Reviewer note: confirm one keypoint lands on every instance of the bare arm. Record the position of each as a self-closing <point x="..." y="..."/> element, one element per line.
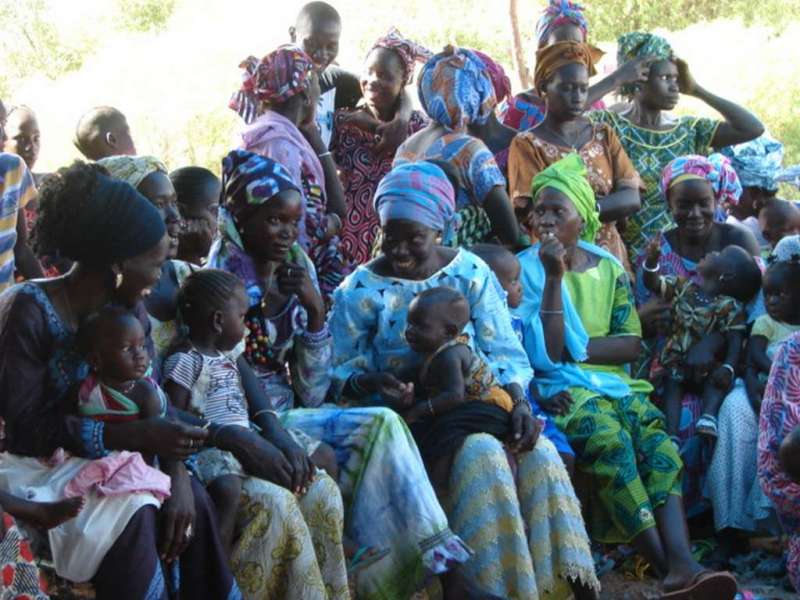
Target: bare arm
<point x="551" y="310"/>
<point x="619" y="204"/>
<point x="650" y="274"/>
<point x="447" y="370"/>
<point x="148" y="401"/>
<point x="734" y="341"/>
<point x="501" y="215"/>
<point x="617" y="350"/>
<point x="757" y="354"/>
<point x="24" y="259"/>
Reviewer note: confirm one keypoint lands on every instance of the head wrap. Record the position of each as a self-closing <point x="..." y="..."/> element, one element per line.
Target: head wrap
<point x="455" y="89"/>
<point x="786" y="250"/>
<point x="568" y="176"/>
<point x="716" y="170"/>
<point x="279" y="76"/>
<point x="248" y="181"/>
<point x="789" y="175"/>
<point x="557" y="13"/>
<point x="500" y="81"/>
<point x="638" y="44"/>
<point x="408" y="51"/>
<point x="555" y="56"/>
<point x="132" y="169"/>
<point x="419" y="192"/>
<point x="116" y="223"/>
<point x="757" y="162"/>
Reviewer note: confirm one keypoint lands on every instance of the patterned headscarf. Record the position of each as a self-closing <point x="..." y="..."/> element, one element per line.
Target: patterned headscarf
<point x="638" y="44"/>
<point x="789" y="175"/>
<point x="716" y="170"/>
<point x="279" y="76"/>
<point x="757" y="162"/>
<point x="787" y="250"/>
<point x="408" y="51"/>
<point x="419" y="192"/>
<point x="500" y="81"/>
<point x="132" y="169"/>
<point x="568" y="176"/>
<point x="553" y="57"/>
<point x="557" y="13"/>
<point x="455" y="89"/>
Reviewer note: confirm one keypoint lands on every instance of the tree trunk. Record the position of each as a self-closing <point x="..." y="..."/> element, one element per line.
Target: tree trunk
<point x="517" y="50"/>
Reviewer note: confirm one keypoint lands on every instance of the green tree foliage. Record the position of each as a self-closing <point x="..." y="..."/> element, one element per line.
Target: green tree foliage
<point x="144" y="15"/>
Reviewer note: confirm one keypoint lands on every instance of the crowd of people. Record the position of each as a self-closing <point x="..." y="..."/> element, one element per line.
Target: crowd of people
<point x="485" y="342"/>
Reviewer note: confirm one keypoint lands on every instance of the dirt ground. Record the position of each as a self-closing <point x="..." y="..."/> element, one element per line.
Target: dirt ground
<point x="616" y="587"/>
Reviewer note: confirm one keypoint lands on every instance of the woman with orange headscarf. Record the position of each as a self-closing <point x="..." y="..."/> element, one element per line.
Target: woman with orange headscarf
<point x="562" y="79"/>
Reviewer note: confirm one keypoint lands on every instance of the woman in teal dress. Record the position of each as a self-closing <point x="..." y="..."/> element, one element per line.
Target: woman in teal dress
<point x="581" y="329"/>
<point x="528" y="535"/>
<point x="652" y="137"/>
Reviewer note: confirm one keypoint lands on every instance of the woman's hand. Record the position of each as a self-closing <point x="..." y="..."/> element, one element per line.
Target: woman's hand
<point x="311" y="132"/>
<point x="686" y="82"/>
<point x="560" y="404"/>
<point x="177" y="515"/>
<point x="303" y="469"/>
<point x="333" y="226"/>
<point x="168" y="439"/>
<point x="525" y="429"/>
<point x="361" y="119"/>
<point x="655" y="316"/>
<point x="653" y="253"/>
<point x="722" y="378"/>
<point x="259" y="457"/>
<point x="295" y="279"/>
<point x="553" y="256"/>
<point x="634" y="71"/>
<point x="392" y="134"/>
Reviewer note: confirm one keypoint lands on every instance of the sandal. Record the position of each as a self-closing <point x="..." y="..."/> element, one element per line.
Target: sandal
<point x="719" y="585"/>
<point x="707" y="426"/>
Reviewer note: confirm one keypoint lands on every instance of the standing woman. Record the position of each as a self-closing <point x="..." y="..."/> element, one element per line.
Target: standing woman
<point x="526" y="531"/>
<point x="388" y="69"/>
<point x="562" y="79"/>
<point x="277" y="101"/>
<point x="117" y="542"/>
<point x="652" y="137"/>
<point x="456" y="92"/>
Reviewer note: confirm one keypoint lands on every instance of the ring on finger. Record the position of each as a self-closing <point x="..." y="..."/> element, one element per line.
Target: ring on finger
<point x="188" y="532"/>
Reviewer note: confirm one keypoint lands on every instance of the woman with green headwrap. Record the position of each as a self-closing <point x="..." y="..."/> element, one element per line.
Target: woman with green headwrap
<point x="652" y="137"/>
<point x="580" y="329"/>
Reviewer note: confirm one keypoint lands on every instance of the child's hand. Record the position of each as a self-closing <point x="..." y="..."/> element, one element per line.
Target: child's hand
<point x="755" y="390"/>
<point x="415" y="413"/>
<point x="722" y="378"/>
<point x="653" y="252"/>
<point x="394" y="392"/>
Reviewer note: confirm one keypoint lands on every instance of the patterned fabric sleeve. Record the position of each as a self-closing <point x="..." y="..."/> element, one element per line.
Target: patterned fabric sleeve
<point x="483" y="173"/>
<point x="735" y="315"/>
<point x="494" y="334"/>
<point x="704" y="131"/>
<point x="624" y="318"/>
<point x="183" y="368"/>
<point x="352" y="325"/>
<point x="524" y="162"/>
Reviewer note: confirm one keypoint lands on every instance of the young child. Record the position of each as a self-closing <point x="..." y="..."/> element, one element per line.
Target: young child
<point x="507" y="269"/>
<point x="778" y="219"/>
<point x="782" y="300"/>
<point x="198" y="192"/>
<point x="730" y="279"/>
<point x="103" y="131"/>
<point x="461" y="393"/>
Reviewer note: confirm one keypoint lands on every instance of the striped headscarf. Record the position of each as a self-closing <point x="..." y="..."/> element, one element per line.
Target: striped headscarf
<point x="716" y="170"/>
<point x="557" y="13"/>
<point x="757" y="162"/>
<point x="409" y="52"/>
<point x="132" y="169"/>
<point x="455" y="89"/>
<point x="568" y="176"/>
<point x="279" y="76"/>
<point x="500" y="81"/>
<point x="419" y="192"/>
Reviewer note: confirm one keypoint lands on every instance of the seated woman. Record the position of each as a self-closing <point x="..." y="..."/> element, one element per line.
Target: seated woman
<point x="149" y="176"/>
<point x="564" y="21"/>
<point x="277" y="100"/>
<point x="290" y="349"/>
<point x="694" y="188"/>
<point x="505" y="523"/>
<point x="777" y="439"/>
<point x="388" y="69"/>
<point x="456" y="92"/>
<point x="581" y="330"/>
<point x="116" y="542"/>
<point x="652" y="137"/>
<point x="562" y="78"/>
<point x="197" y="191"/>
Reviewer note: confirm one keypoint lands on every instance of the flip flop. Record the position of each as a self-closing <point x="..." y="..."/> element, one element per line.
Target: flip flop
<point x="719" y="585"/>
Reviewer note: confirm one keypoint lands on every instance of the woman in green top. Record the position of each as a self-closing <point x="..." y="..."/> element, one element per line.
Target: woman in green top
<point x="652" y="137"/>
<point x="580" y="329"/>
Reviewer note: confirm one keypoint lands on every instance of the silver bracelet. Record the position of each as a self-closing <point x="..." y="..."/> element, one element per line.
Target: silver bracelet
<point x="324" y="154"/>
<point x="655" y="269"/>
<point x="729" y="368"/>
<point x="551" y="312"/>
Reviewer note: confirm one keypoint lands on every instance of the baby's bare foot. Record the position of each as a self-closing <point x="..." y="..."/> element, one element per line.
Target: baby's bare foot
<point x="48" y="515"/>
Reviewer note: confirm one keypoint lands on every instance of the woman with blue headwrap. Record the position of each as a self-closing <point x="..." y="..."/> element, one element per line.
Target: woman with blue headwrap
<point x="652" y="137"/>
<point x="456" y="91"/>
<point x="504" y="524"/>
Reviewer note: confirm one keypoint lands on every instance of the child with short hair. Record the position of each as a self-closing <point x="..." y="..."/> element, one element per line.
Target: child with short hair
<point x="507" y="269"/>
<point x="102" y="132"/>
<point x="461" y="393"/>
<point x="206" y="375"/>
<point x="198" y="191"/>
<point x="782" y="300"/>
<point x="729" y="280"/>
<point x="778" y="219"/>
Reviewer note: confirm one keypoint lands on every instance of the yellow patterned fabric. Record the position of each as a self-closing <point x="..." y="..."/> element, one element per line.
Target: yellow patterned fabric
<point x="543" y="542"/>
<point x="290" y="548"/>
